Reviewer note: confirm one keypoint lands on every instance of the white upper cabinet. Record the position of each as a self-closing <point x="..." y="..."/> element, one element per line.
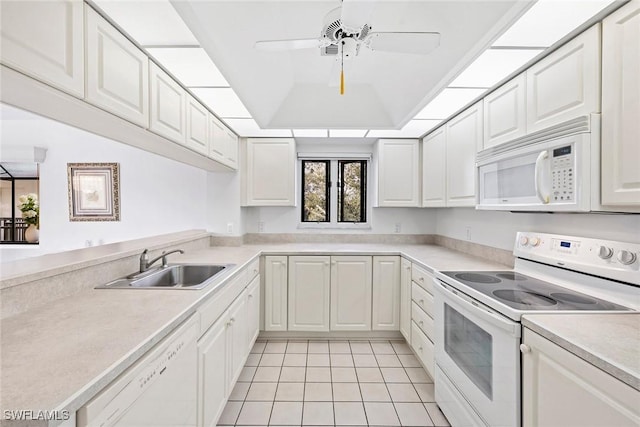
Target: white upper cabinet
<point x="223" y="144"/>
<point x="398" y="172"/>
<point x="197" y="126"/>
<point x="351" y="293"/>
<point x="309" y="278"/>
<point x="168" y="106"/>
<point x="45" y="40"/>
<point x="270" y="175"/>
<point x="505" y="116"/>
<point x="434" y="152"/>
<point x="464" y="139"/>
<point x="117" y="71"/>
<point x="565" y="84"/>
<point x="386" y="293"/>
<point x="621" y="107"/>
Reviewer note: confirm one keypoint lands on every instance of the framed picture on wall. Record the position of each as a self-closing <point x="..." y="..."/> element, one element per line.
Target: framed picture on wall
<point x="94" y="191"/>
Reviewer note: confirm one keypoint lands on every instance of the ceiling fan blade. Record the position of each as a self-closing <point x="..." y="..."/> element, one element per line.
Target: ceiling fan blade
<point x="282" y="45"/>
<point x="355" y="14"/>
<point x="415" y="43"/>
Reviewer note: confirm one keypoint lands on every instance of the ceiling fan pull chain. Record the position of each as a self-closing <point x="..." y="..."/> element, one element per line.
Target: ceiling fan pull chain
<point x="342" y="70"/>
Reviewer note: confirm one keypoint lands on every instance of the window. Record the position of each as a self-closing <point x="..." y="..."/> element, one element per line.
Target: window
<point x="333" y="202"/>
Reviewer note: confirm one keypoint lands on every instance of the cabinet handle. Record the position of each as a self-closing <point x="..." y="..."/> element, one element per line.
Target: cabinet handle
<point x="421" y="302"/>
<point x="408" y="267"/>
<point x="233" y="319"/>
<point x="250" y="295"/>
<point x="421" y="279"/>
<point x="420" y="348"/>
<point x="255" y="271"/>
<point x="525" y="348"/>
<point x="421" y="323"/>
<point x="327" y="263"/>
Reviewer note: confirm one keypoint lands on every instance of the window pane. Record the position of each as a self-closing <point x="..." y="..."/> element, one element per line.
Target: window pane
<point x="352" y="191"/>
<point x="315" y="191"/>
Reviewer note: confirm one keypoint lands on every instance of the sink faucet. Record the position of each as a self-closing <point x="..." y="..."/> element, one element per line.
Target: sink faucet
<point x="145" y="263"/>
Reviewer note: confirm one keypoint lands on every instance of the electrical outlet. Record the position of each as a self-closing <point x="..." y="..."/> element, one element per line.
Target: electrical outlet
<point x="260" y="226"/>
<point x="468" y="233"/>
<point x="398" y="227"/>
<point x="230" y="228"/>
<point x="88" y="243"/>
<point x="101" y="242"/>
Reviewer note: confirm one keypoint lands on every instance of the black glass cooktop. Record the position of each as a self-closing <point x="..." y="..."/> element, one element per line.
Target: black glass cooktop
<point x="528" y="293"/>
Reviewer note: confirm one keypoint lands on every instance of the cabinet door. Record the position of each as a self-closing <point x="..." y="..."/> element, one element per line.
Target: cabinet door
<point x="253" y="311"/>
<point x="275" y="293"/>
<point x="588" y="395"/>
<point x="351" y="293"/>
<point x="565" y="84"/>
<point x="237" y="339"/>
<point x="271" y="172"/>
<point x="197" y="126"/>
<point x="309" y="293"/>
<point x="168" y="106"/>
<point x="621" y="107"/>
<point x="45" y="40"/>
<point x="217" y="142"/>
<point x="464" y="140"/>
<point x="231" y="148"/>
<point x="117" y="71"/>
<point x="405" y="299"/>
<point x="386" y="293"/>
<point x="212" y="373"/>
<point x="505" y="116"/>
<point x="434" y="151"/>
<point x="398" y="173"/>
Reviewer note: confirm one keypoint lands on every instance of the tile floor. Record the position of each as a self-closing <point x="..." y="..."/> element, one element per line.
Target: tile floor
<point x="332" y="383"/>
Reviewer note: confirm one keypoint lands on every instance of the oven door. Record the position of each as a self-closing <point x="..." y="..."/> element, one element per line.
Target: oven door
<point x="477" y="349"/>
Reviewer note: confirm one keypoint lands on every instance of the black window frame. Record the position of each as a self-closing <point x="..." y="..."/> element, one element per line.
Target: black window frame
<point x="363" y="191"/>
<point x="327" y="164"/>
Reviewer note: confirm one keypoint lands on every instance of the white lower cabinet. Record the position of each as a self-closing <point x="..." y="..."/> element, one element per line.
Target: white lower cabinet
<point x="351" y="293"/>
<point x="309" y="280"/>
<point x="253" y="311"/>
<point x="561" y="389"/>
<point x="275" y="293"/>
<point x="405" y="299"/>
<point x="386" y="293"/>
<point x="224" y="347"/>
<point x="422" y="313"/>
<point x="423" y="348"/>
<point x="212" y="373"/>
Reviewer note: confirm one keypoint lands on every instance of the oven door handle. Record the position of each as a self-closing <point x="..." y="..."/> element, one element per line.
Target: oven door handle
<point x="537" y="177"/>
<point x="496" y="320"/>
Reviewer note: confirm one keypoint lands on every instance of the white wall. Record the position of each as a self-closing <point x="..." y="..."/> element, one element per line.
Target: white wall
<point x="223" y="203"/>
<point x="498" y="229"/>
<point x="383" y="220"/>
<point x="158" y="195"/>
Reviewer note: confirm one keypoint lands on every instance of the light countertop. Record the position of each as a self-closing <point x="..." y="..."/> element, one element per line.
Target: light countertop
<point x="59" y="356"/>
<point x="610" y="341"/>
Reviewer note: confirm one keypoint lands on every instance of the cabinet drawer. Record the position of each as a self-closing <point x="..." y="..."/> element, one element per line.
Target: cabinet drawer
<point x="423" y="320"/>
<point x="253" y="269"/>
<point x="423" y="348"/>
<point x="422" y="298"/>
<point x="422" y="277"/>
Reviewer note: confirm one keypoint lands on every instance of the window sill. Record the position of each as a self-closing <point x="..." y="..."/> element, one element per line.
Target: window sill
<point x="334" y="226"/>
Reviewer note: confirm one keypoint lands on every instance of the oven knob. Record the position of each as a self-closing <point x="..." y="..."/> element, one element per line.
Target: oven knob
<point x="626" y="257"/>
<point x="605" y="252"/>
<point x="535" y="241"/>
<point x="524" y="240"/>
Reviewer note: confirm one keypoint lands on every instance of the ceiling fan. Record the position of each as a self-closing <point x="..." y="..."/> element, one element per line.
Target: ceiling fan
<point x="346" y="30"/>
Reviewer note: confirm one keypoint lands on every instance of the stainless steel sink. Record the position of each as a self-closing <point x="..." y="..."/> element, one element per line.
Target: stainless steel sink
<point x="177" y="276"/>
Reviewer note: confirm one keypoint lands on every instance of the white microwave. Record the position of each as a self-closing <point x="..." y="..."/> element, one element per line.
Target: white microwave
<point x="551" y="173"/>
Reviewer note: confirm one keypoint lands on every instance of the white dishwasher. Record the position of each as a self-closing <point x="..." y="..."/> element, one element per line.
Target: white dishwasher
<point x="159" y="390"/>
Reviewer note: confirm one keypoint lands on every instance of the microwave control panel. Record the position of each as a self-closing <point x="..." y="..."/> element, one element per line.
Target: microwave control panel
<point x="562" y="174"/>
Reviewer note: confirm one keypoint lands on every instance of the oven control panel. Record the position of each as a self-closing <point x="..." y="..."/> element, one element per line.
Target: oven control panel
<point x="562" y="174"/>
<point x="605" y="258"/>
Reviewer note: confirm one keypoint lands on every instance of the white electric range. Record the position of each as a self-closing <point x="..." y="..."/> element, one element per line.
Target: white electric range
<point x="477" y="317"/>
